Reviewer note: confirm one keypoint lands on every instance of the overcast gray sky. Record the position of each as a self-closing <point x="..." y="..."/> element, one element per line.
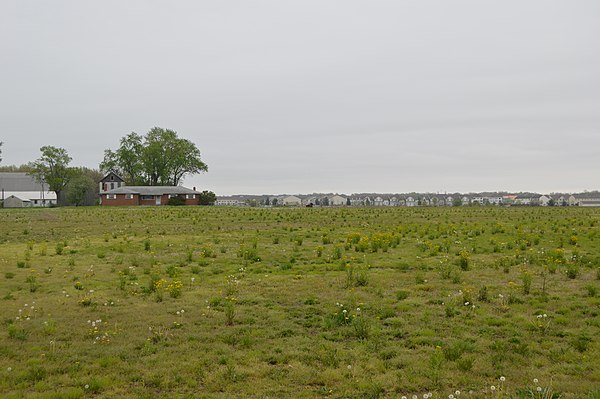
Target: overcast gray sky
<point x="303" y="96"/>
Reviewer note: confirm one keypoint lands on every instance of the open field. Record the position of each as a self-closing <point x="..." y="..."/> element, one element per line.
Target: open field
<point x="301" y="303"/>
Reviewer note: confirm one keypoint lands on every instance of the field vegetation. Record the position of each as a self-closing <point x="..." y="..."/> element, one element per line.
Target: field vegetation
<point x="205" y="302"/>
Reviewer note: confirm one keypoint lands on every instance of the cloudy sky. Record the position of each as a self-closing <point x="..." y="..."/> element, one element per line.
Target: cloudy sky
<point x="315" y="96"/>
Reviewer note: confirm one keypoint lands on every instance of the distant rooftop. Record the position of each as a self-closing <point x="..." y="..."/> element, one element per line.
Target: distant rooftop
<point x="18" y="181"/>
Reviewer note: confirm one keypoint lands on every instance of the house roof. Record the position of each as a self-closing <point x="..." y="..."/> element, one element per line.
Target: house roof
<point x="112" y="176"/>
<point x="31" y="195"/>
<point x="590" y="203"/>
<point x="18" y="181"/>
<point x="151" y="190"/>
<point x="17" y="198"/>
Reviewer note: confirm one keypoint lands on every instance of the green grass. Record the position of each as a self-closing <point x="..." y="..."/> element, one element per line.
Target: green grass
<point x="301" y="303"/>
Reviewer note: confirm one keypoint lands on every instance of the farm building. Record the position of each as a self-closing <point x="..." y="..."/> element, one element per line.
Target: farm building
<point x="110" y="182"/>
<point x="20" y="190"/>
<point x="148" y="195"/>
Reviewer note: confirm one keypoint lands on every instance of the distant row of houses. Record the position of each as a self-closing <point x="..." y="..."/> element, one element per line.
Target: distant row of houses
<point x="21" y="190"/>
<point x="582" y="199"/>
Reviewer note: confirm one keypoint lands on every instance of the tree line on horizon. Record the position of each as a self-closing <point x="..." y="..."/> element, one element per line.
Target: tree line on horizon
<point x="158" y="158"/>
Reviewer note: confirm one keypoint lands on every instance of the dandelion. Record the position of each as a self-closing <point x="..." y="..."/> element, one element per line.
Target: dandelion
<point x="492" y="388"/>
<point x="502" y="378"/>
<point x="539" y="389"/>
<point x="414" y="397"/>
<point x="404" y="397"/>
<point x="86" y="386"/>
<point x="349" y="366"/>
<point x="9" y="369"/>
<point x="450" y="396"/>
<point x="457" y="392"/>
<point x="466" y="303"/>
<point x="535" y="381"/>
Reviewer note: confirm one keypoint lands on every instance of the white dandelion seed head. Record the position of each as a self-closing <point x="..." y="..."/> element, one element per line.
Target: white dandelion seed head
<point x="502" y="378"/>
<point x="535" y="381"/>
<point x="493" y="388"/>
<point x="539" y="389"/>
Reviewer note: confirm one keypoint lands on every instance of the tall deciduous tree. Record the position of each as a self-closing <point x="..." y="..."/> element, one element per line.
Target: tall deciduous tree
<point x="126" y="161"/>
<point x="83" y="187"/>
<point x="52" y="168"/>
<point x="158" y="158"/>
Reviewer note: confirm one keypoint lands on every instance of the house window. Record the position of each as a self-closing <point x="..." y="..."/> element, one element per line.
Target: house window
<point x="128" y="196"/>
<point x="111" y="196"/>
<point x="190" y="196"/>
<point x="172" y="195"/>
<point x="35" y="201"/>
<point x="147" y="197"/>
<point x="112" y="186"/>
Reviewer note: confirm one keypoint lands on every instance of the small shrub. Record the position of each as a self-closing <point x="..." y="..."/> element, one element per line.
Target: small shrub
<point x="464" y="259"/>
<point x="402" y="295"/>
<point x="572" y="272"/>
<point x="59" y="248"/>
<point x="526" y="279"/>
<point x="362" y="327"/>
<point x="229" y="313"/>
<point x="18" y="333"/>
<point x="33" y="284"/>
<point x="176" y="201"/>
<point x="482" y="295"/>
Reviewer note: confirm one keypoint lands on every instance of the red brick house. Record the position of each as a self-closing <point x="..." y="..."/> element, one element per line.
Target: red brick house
<point x="148" y="195"/>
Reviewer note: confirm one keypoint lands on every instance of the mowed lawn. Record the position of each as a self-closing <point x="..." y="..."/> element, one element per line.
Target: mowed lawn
<point x="207" y="302"/>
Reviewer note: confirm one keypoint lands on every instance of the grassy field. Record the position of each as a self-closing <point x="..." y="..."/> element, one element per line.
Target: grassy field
<point x="300" y="303"/>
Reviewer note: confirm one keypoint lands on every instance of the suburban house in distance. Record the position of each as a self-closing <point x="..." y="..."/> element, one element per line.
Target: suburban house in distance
<point x="114" y="192"/>
<point x="19" y="190"/>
